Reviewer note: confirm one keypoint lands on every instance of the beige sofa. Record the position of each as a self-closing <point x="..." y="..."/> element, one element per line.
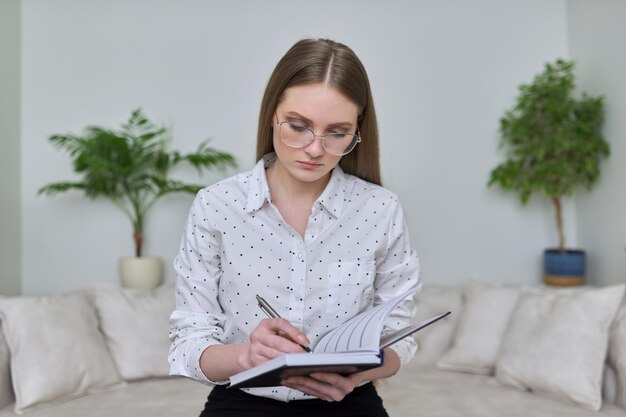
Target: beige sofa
<point x="97" y="352"/>
<point x="512" y="351"/>
<point x="101" y="352"/>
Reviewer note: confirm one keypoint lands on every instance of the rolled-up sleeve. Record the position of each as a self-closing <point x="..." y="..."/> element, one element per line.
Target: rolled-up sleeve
<point x="197" y="321"/>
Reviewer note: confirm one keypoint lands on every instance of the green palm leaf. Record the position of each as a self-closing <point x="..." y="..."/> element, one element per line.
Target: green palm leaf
<point x="131" y="166"/>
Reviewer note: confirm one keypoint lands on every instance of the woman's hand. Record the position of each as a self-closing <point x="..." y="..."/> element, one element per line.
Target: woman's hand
<point x="324" y="385"/>
<point x="272" y="338"/>
<point x="334" y="387"/>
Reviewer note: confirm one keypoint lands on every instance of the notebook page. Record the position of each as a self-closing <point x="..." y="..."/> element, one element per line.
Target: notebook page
<point x="361" y="332"/>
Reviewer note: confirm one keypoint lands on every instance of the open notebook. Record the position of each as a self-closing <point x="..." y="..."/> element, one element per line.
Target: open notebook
<point x="353" y="346"/>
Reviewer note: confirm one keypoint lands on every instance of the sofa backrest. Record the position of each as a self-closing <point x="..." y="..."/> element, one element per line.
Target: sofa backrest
<point x="6" y="388"/>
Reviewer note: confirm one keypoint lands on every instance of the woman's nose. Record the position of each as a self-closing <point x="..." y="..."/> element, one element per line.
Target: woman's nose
<point x="316" y="147"/>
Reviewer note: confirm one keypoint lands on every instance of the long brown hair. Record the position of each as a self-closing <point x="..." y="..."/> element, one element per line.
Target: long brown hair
<point x="311" y="61"/>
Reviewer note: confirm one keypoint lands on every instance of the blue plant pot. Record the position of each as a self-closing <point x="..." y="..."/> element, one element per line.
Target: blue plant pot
<point x="564" y="268"/>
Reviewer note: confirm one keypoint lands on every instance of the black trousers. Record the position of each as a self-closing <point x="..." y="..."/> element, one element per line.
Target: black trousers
<point x="362" y="402"/>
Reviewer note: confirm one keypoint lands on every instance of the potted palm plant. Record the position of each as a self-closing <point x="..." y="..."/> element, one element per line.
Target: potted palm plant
<point x="554" y="145"/>
<point x="131" y="167"/>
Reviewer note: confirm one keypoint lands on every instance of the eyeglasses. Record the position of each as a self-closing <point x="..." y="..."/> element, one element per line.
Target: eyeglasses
<point x="296" y="135"/>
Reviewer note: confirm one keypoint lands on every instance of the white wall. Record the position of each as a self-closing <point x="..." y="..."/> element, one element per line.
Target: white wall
<point x="442" y="73"/>
<point x="10" y="235"/>
<point x="597" y="37"/>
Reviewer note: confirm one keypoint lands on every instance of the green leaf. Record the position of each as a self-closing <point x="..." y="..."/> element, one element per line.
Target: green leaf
<point x="130" y="166"/>
<point x="552" y="141"/>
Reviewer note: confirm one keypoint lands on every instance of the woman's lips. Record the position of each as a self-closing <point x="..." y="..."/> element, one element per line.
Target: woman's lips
<point x="308" y="164"/>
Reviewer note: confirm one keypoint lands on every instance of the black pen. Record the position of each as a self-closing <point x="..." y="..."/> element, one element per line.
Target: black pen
<point x="271" y="313"/>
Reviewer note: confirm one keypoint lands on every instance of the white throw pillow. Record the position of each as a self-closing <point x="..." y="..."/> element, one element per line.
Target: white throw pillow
<point x="557" y="341"/>
<point x="57" y="351"/>
<point x="483" y="320"/>
<point x="617" y="354"/>
<point x="136" y="327"/>
<point x="6" y="389"/>
<point x="435" y="339"/>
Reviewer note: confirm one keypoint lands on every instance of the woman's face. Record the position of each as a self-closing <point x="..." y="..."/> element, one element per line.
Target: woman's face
<point x="321" y="108"/>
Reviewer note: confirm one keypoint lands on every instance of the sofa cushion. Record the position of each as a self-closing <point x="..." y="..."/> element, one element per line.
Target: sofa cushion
<point x="486" y="311"/>
<point x="434" y="340"/>
<point x="439" y="393"/>
<point x="136" y="327"/>
<point x="556" y="342"/>
<point x="617" y="355"/>
<point x="165" y="397"/>
<point x="57" y="351"/>
<point x="6" y="389"/>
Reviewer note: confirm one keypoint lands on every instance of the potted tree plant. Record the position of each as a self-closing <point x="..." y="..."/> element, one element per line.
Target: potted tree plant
<point x="553" y="144"/>
<point x="131" y="167"/>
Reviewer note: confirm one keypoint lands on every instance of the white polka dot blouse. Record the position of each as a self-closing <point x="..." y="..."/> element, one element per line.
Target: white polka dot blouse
<point x="355" y="254"/>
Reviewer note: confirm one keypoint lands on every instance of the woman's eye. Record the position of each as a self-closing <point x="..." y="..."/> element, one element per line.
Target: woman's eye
<point x="296" y="127"/>
<point x="336" y="135"/>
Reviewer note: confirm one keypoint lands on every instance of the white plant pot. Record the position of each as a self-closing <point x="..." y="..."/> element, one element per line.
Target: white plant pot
<point x="144" y="273"/>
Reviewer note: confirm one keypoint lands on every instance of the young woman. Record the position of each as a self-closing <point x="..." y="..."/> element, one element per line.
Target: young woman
<point x="311" y="230"/>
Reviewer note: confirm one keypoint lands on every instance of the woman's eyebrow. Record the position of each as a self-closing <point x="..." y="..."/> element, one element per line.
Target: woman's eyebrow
<point x="309" y="122"/>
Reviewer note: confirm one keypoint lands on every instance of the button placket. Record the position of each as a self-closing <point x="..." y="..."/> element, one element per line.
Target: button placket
<point x="314" y="226"/>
